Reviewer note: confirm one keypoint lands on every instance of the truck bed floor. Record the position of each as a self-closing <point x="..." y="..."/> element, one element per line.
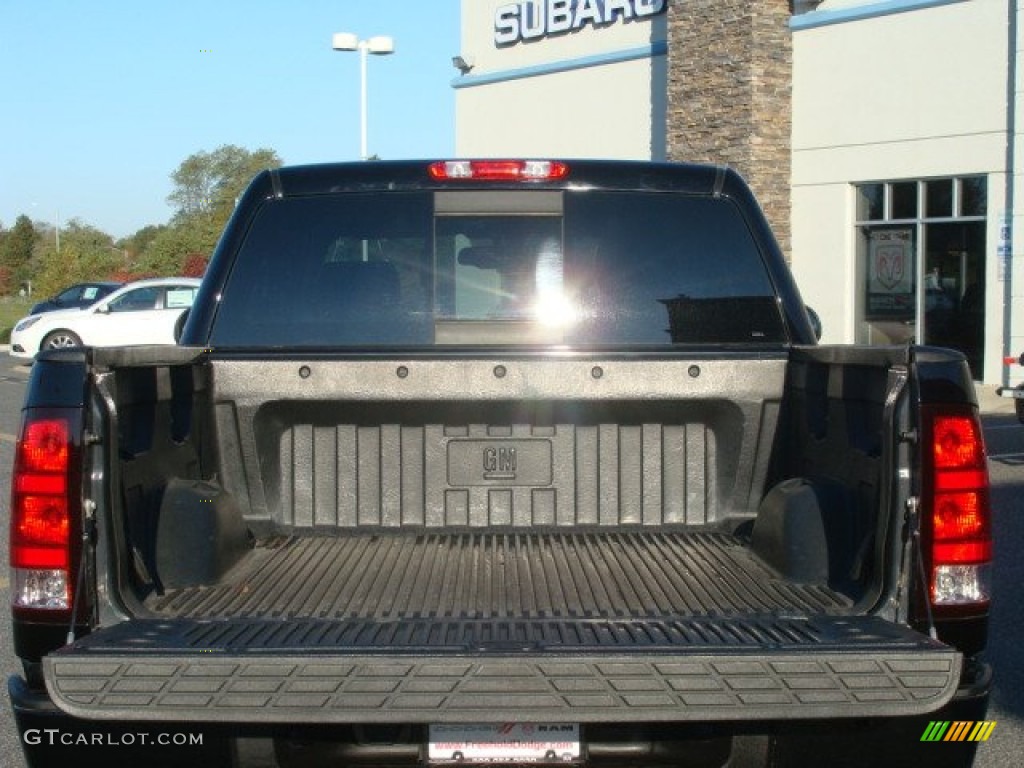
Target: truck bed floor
<point x="392" y="576"/>
<point x="467" y="627"/>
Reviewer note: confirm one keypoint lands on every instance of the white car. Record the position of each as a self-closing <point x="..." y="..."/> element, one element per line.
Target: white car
<point x="143" y="312"/>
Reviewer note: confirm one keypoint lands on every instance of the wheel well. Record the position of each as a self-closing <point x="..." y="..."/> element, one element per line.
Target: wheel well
<point x="49" y="334"/>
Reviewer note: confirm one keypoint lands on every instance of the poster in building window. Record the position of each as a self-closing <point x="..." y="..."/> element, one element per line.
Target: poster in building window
<point x="890" y="284"/>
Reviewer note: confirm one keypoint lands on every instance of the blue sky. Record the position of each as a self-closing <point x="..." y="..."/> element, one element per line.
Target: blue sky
<point x="103" y="99"/>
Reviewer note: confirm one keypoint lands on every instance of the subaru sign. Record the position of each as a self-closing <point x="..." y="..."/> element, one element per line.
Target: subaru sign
<point x="537" y="19"/>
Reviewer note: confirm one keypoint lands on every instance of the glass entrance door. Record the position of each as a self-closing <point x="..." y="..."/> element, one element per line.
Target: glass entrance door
<point x="921" y="254"/>
<point x="955" y="289"/>
<point x="889" y="304"/>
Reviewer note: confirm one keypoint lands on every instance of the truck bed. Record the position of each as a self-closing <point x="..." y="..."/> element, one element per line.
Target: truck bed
<point x="605" y="578"/>
<point x="437" y="627"/>
<point x="516" y="575"/>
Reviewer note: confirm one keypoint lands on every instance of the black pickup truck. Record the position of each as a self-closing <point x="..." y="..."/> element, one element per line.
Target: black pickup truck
<point x="511" y="462"/>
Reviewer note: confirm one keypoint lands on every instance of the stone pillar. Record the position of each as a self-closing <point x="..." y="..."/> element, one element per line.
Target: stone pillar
<point x="729" y="94"/>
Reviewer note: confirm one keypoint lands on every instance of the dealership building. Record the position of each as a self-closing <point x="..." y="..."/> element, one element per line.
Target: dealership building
<point x="880" y="137"/>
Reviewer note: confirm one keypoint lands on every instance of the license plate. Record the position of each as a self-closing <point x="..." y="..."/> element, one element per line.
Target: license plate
<point x="504" y="743"/>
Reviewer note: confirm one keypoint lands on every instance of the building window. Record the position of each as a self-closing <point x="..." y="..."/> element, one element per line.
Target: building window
<point x="921" y="263"/>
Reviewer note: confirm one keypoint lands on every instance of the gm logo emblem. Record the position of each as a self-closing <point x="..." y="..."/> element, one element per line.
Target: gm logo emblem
<point x="499" y="463"/>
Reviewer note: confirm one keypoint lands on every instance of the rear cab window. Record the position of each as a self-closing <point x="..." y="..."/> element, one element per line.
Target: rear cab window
<point x="453" y="267"/>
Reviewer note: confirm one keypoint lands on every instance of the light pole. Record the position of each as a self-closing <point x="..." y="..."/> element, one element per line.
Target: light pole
<point x="380" y="45"/>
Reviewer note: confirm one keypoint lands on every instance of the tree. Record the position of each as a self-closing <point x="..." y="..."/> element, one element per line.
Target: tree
<point x="206" y="185"/>
<point x="16" y="251"/>
<point x="195" y="265"/>
<point x="136" y="244"/>
<point x="209" y="182"/>
<point x="169" y="251"/>
<point x="6" y="279"/>
<point x="86" y="253"/>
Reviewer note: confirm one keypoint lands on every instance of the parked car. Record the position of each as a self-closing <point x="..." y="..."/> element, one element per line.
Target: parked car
<point x="1017" y="392"/>
<point x="75" y="297"/>
<point x="143" y="312"/>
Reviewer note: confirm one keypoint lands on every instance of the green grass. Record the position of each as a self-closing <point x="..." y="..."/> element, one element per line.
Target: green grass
<point x="12" y="309"/>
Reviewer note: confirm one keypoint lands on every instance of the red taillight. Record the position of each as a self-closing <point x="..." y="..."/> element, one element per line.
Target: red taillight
<point x="40" y="539"/>
<point x="44" y="446"/>
<point x="956" y="496"/>
<point x="957" y="443"/>
<point x="498" y="170"/>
